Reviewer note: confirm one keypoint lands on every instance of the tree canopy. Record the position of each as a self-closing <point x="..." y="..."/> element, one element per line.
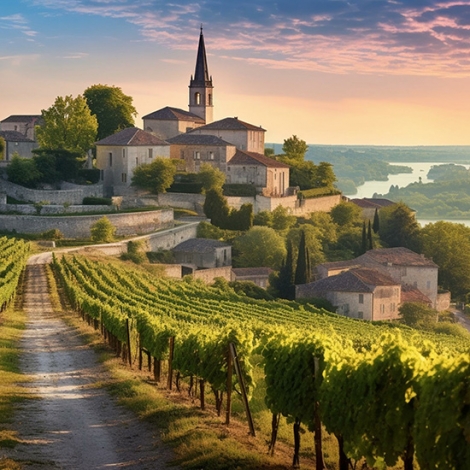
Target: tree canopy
<point x="295" y="148"/>
<point x="346" y="213"/>
<point x="210" y="177"/>
<point x="113" y="109"/>
<point x="155" y="177"/>
<point x="68" y="125"/>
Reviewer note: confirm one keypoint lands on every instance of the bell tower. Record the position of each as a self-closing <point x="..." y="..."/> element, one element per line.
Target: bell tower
<point x="200" y="86"/>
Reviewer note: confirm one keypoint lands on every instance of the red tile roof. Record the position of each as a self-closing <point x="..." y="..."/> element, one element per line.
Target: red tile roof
<point x="411" y="294"/>
<point x="399" y="256"/>
<point x="229" y="124"/>
<point x="174" y="114"/>
<point x="243" y="157"/>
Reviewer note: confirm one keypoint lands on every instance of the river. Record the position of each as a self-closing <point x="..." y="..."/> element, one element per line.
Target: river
<point x="420" y="170"/>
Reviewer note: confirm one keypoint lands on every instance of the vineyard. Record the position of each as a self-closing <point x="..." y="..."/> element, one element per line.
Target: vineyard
<point x="388" y="393"/>
<point x="13" y="256"/>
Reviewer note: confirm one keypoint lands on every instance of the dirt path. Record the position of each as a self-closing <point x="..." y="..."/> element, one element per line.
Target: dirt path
<point x="74" y="424"/>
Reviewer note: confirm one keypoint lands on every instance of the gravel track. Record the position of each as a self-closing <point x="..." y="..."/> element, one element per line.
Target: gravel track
<point x="74" y="424"/>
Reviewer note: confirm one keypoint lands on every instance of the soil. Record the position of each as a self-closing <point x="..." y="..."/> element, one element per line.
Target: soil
<point x="73" y="424"/>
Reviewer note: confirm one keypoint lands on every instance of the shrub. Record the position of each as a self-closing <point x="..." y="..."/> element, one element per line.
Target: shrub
<point x="103" y="230"/>
<point x="239" y="190"/>
<point x="96" y="201"/>
<point x="135" y="252"/>
<point x="91" y="175"/>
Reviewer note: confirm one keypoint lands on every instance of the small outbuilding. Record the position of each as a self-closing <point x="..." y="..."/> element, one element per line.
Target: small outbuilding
<point x="203" y="253"/>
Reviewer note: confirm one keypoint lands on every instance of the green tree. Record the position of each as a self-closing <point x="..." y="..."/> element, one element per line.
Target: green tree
<point x="398" y="227"/>
<point x="216" y="208"/>
<point x="303" y="270"/>
<point x="260" y="246"/>
<point x="448" y="245"/>
<point x="241" y="219"/>
<point x="376" y="224"/>
<point x="113" y="109"/>
<point x="364" y="238"/>
<point x="325" y="176"/>
<point x="282" y="284"/>
<point x="210" y="177"/>
<point x="263" y="218"/>
<point x="3" y="147"/>
<point x="103" y="230"/>
<point x="23" y="171"/>
<point x="346" y="213"/>
<point x="155" y="177"/>
<point x="68" y="125"/>
<point x="327" y="229"/>
<point x="56" y="164"/>
<point x="295" y="148"/>
<point x="312" y="241"/>
<point x="417" y="315"/>
<point x="281" y="220"/>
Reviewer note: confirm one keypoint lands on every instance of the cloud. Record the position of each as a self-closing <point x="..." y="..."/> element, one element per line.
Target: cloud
<point x="17" y="22"/>
<point x="365" y="36"/>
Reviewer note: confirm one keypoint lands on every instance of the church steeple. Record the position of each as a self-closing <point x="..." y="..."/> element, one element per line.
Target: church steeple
<point x="200" y="86"/>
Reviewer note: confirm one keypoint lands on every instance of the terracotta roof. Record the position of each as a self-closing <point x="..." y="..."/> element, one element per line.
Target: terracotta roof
<point x="412" y="294"/>
<point x="354" y="280"/>
<point x="374" y="203"/>
<point x="346" y="264"/>
<point x="252" y="272"/>
<point x="23" y="118"/>
<point x="14" y="136"/>
<point x="132" y="136"/>
<point x="174" y="114"/>
<point x="199" y="139"/>
<point x="229" y="124"/>
<point x="399" y="256"/>
<point x="199" y="245"/>
<point x="243" y="157"/>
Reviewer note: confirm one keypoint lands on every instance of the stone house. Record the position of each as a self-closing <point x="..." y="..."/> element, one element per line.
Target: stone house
<point x="194" y="150"/>
<point x="260" y="276"/>
<point x="24" y="124"/>
<point x="370" y="205"/>
<point x="203" y="253"/>
<point x="270" y="177"/>
<point x="16" y="142"/>
<point x="401" y="264"/>
<point x="239" y="133"/>
<point x="119" y="154"/>
<point x="361" y="293"/>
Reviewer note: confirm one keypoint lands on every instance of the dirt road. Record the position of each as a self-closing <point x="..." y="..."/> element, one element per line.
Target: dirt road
<point x="74" y="424"/>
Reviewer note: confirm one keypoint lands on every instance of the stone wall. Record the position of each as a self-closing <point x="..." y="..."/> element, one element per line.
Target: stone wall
<point x="443" y="301"/>
<point x="29" y="209"/>
<point x="60" y="197"/>
<point x="208" y="275"/>
<point x="79" y="226"/>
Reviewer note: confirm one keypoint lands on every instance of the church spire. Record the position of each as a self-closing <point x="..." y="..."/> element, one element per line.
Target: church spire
<point x="200" y="87"/>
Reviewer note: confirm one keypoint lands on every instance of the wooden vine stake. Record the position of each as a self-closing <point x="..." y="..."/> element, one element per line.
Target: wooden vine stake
<point x="170" y="363"/>
<point x="229" y="387"/>
<point x="320" y="464"/>
<point x="236" y="364"/>
<point x="274" y="429"/>
<point x="129" y="342"/>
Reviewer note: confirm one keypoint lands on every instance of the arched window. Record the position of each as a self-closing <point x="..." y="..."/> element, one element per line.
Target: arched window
<point x="197" y="98"/>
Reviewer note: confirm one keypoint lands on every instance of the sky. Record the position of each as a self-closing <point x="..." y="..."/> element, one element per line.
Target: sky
<point x="357" y="72"/>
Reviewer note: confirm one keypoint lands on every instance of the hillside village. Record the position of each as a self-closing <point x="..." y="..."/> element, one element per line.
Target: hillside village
<point x="371" y="286"/>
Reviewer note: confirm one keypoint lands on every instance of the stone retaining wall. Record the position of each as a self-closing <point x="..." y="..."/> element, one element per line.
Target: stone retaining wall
<point x="29" y="209"/>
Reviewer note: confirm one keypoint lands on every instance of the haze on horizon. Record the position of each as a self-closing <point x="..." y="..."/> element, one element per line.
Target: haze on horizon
<point x="336" y="72"/>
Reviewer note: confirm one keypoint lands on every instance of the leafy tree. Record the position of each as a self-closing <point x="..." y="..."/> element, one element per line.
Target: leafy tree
<point x="281" y="220"/>
<point x="303" y="271"/>
<point x="3" y="147"/>
<point x="56" y="164"/>
<point x="417" y="315"/>
<point x="260" y="246"/>
<point x="327" y="230"/>
<point x="269" y="152"/>
<point x="210" y="177"/>
<point x="295" y="148"/>
<point x="103" y="230"/>
<point x="263" y="218"/>
<point x="282" y="284"/>
<point x="23" y="171"/>
<point x="398" y="227"/>
<point x="68" y="125"/>
<point x="216" y="208"/>
<point x="302" y="173"/>
<point x="155" y="177"/>
<point x="113" y="109"/>
<point x="241" y="219"/>
<point x="325" y="176"/>
<point x="312" y="241"/>
<point x="346" y="213"/>
<point x="448" y="245"/>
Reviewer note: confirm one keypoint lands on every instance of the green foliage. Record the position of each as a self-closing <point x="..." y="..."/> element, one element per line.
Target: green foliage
<point x="216" y="208"/>
<point x="398" y="227"/>
<point x="346" y="213"/>
<point x="113" y="109"/>
<point x="103" y="230"/>
<point x="135" y="252"/>
<point x="303" y="270"/>
<point x="417" y="315"/>
<point x="210" y="177"/>
<point x="263" y="218"/>
<point x="68" y="125"/>
<point x="260" y="246"/>
<point x="312" y="241"/>
<point x="295" y="148"/>
<point x="88" y="175"/>
<point x="448" y="245"/>
<point x="97" y="201"/>
<point x="57" y="164"/>
<point x="239" y="190"/>
<point x="282" y="284"/>
<point x="3" y="146"/>
<point x="281" y="220"/>
<point x="155" y="177"/>
<point x="23" y="171"/>
<point x="316" y="192"/>
<point x="250" y="289"/>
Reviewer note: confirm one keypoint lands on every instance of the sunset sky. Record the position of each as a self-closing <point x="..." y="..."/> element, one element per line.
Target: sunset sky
<point x="383" y="72"/>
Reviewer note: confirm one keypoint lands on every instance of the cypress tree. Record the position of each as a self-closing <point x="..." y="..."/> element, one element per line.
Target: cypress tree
<point x="216" y="208"/>
<point x="364" y="238"/>
<point x="285" y="281"/>
<point x="376" y="223"/>
<point x="369" y="237"/>
<point x="302" y="274"/>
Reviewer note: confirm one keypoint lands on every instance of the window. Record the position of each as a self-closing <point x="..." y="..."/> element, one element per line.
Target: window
<point x="361" y="298"/>
<point x="211" y="155"/>
<point x="197" y="155"/>
<point x="210" y="99"/>
<point x="123" y="153"/>
<point x="150" y="153"/>
<point x="124" y="177"/>
<point x="110" y="156"/>
<point x="197" y="98"/>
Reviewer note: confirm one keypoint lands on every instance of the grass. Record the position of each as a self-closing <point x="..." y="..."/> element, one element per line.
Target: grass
<point x="12" y="324"/>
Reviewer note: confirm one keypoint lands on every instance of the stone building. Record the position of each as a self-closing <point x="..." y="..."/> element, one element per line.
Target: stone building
<point x="203" y="253"/>
<point x="24" y="124"/>
<point x="17" y="143"/>
<point x="119" y="154"/>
